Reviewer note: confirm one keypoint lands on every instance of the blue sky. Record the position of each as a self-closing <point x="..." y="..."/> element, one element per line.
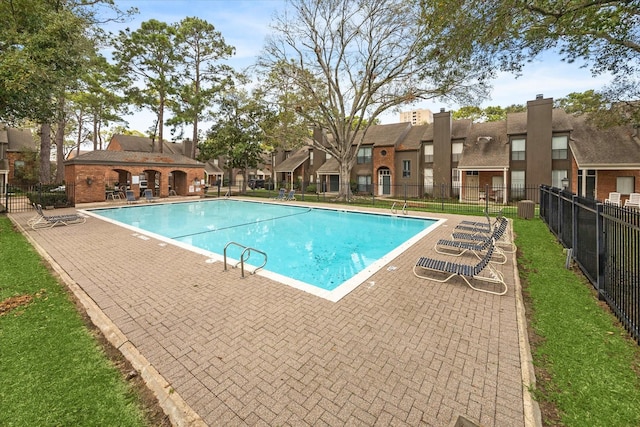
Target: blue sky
<point x="244" y="24"/>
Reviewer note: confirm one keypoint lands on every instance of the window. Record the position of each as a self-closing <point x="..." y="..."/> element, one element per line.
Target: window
<point x="428" y="181"/>
<point x="557" y="176"/>
<point x="517" y="184"/>
<point x="456" y="180"/>
<point x="18" y="168"/>
<point x="364" y="183"/>
<point x="406" y="168"/>
<point x="518" y="149"/>
<point x="559" y="147"/>
<point x="428" y="153"/>
<point x="364" y="155"/>
<point x="310" y="157"/>
<point x="456" y="151"/>
<point x="625" y="185"/>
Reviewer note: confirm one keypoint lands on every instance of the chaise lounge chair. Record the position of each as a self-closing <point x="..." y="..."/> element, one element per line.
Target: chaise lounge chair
<point x="290" y="196"/>
<point x="131" y="198"/>
<point x="481" y="224"/>
<point x="467" y="272"/>
<point x="49" y="221"/>
<point x="148" y="195"/>
<point x="459" y="248"/>
<point x="281" y="195"/>
<point x="499" y="235"/>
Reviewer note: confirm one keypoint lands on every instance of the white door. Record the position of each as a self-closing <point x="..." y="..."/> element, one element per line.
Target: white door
<point x="384" y="182"/>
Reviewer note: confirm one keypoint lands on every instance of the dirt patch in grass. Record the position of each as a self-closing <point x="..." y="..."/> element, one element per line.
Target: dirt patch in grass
<point x="11" y="303"/>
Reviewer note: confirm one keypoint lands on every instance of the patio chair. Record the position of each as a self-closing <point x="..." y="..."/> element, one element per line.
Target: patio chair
<point x="148" y="195"/>
<point x="131" y="197"/>
<point x="499" y="235"/>
<point x="465" y="271"/>
<point x="614" y="199"/>
<point x="281" y="195"/>
<point x="633" y="201"/>
<point x="460" y="247"/>
<point x="480" y="224"/>
<point x="49" y="221"/>
<point x="290" y="196"/>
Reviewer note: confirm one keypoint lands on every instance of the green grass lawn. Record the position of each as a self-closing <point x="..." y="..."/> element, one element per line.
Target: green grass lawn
<point x="52" y="370"/>
<point x="586" y="364"/>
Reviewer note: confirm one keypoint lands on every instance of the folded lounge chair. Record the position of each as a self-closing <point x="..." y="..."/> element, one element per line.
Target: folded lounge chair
<point x="467" y="272"/>
<point x="148" y="195"/>
<point x="49" y="221"/>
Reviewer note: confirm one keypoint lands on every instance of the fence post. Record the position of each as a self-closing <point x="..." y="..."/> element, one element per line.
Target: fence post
<point x="600" y="250"/>
<point x="405" y="192"/>
<point x="486" y="198"/>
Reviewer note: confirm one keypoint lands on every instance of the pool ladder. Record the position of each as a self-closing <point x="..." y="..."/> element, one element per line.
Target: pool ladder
<point x="395" y="211"/>
<point x="244" y="256"/>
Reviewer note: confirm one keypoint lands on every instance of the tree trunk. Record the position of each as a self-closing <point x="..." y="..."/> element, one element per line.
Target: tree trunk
<point x="59" y="138"/>
<point x="161" y="123"/>
<point x="195" y="138"/>
<point x="45" y="153"/>
<point x="345" y="181"/>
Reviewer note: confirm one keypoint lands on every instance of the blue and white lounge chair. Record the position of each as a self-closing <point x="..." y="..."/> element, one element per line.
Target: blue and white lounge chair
<point x="281" y="195"/>
<point x="131" y="197"/>
<point x="49" y="221"/>
<point x="290" y="196"/>
<point x="148" y="195"/>
<point x="460" y="247"/>
<point x="487" y="225"/>
<point x="465" y="271"/>
<point x="499" y="235"/>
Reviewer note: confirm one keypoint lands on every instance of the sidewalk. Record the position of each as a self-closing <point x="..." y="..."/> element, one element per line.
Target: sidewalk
<point x="221" y="350"/>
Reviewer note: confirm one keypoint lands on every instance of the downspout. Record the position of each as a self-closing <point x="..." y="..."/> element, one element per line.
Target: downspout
<point x="504" y="184"/>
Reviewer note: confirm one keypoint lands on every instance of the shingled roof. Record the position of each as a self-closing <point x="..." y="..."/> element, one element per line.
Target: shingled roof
<point x="144" y="144"/>
<point x="385" y="135"/>
<point x="292" y="162"/>
<point x="517" y="122"/>
<point x="486" y="147"/>
<point x="18" y="139"/>
<point x="109" y="157"/>
<point x="612" y="148"/>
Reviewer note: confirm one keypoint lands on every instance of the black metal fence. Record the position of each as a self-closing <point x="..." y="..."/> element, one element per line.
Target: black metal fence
<point x="472" y="200"/>
<point x="605" y="243"/>
<point x="19" y="198"/>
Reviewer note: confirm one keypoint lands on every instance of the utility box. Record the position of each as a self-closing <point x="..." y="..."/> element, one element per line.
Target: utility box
<point x="526" y="209"/>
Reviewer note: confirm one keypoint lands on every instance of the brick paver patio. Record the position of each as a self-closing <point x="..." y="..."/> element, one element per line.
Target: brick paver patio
<point x="398" y="350"/>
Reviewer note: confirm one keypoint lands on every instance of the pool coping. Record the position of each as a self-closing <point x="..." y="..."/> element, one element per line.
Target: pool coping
<point x="333" y="295"/>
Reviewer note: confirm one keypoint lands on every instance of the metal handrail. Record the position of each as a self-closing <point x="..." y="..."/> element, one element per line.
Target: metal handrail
<point x="247" y="251"/>
<point x="395" y="211"/>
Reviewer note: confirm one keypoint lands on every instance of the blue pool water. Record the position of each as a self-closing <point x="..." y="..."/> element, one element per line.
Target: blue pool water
<point x="321" y="247"/>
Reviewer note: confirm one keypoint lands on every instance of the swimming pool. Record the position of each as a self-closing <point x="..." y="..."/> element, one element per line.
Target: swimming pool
<point x="324" y="251"/>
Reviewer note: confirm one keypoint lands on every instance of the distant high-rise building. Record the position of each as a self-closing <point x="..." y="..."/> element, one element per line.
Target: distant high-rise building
<point x="417" y="117"/>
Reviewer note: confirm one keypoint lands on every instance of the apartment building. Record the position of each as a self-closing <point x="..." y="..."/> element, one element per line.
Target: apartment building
<point x="16" y="145"/>
<point x="417" y="117"/>
<point x="461" y="159"/>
